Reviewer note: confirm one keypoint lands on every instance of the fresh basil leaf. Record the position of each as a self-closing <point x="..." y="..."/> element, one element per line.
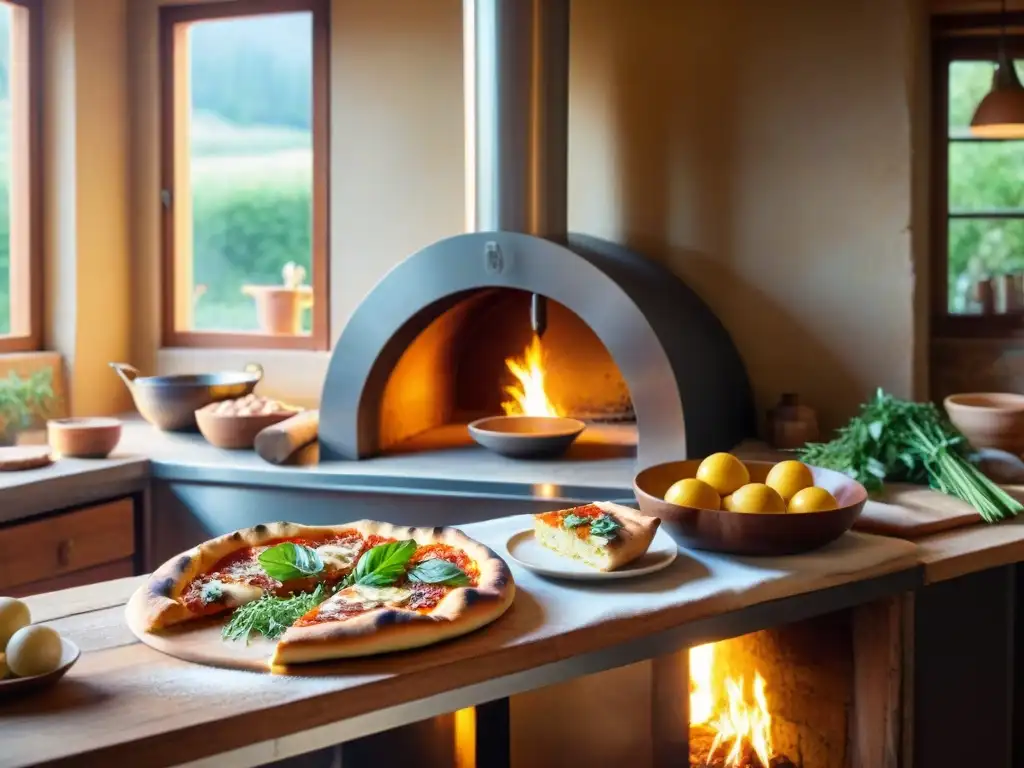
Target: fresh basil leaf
<point x="574" y="521"/>
<point x="438" y="571"/>
<point x="605" y="526"/>
<point x="287" y="561"/>
<point x="382" y="565"/>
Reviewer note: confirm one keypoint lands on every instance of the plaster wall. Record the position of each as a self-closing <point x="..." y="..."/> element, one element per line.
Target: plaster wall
<point x="763" y="151"/>
<point x="87" y="267"/>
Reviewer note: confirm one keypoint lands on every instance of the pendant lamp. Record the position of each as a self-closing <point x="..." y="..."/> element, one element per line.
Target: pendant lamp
<point x="1000" y="115"/>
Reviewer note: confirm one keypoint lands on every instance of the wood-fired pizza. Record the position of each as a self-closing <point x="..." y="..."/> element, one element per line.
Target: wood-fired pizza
<point x="330" y="592"/>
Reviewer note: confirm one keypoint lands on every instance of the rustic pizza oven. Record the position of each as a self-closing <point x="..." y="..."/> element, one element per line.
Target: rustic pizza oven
<point x="616" y="337"/>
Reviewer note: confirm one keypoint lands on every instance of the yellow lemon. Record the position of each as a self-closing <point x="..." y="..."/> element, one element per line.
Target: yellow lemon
<point x="788" y="477"/>
<point x="691" y="492"/>
<point x="723" y="472"/>
<point x="756" y="498"/>
<point x="813" y="499"/>
<point x="727" y="503"/>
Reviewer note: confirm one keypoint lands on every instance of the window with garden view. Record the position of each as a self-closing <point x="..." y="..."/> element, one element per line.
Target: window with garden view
<point x="20" y="283"/>
<point x="978" y="187"/>
<point x="245" y="173"/>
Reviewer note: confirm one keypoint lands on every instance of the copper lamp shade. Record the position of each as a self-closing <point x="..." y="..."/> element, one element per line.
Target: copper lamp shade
<point x="1000" y="115"/>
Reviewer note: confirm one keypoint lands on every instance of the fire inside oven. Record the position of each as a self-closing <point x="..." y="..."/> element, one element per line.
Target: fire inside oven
<point x="483" y="358"/>
<point x="773" y="699"/>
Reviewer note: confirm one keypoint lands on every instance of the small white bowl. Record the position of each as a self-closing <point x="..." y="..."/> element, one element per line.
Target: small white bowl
<point x="19" y="686"/>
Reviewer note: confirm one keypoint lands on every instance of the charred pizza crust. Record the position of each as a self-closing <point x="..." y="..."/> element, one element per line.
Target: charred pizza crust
<point x="160" y="606"/>
<point x="393" y="628"/>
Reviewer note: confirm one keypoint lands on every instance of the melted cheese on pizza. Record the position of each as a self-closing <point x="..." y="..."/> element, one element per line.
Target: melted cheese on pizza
<point x="355" y="600"/>
<point x="366" y="597"/>
<point x="341" y="555"/>
<point x="230" y="595"/>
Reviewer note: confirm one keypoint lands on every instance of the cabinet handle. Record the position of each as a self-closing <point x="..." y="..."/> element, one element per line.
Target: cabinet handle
<point x="64" y="552"/>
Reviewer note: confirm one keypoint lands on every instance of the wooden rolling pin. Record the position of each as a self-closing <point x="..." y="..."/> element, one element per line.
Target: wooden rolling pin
<point x="280" y="442"/>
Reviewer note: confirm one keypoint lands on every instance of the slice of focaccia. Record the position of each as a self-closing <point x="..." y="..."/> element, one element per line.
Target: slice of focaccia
<point x="603" y="535"/>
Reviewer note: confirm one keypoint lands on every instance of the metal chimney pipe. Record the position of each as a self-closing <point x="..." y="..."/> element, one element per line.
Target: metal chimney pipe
<point x="517" y="115"/>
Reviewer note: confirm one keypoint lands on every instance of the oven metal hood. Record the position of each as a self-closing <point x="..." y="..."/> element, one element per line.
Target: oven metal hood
<point x="390" y="371"/>
<point x="517" y="116"/>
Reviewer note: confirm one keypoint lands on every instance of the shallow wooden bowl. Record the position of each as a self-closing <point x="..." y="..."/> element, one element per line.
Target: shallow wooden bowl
<point x="21" y="686"/>
<point x="989" y="419"/>
<point x="742" y="533"/>
<point x="83" y="438"/>
<point x="526" y="437"/>
<point x="234" y="431"/>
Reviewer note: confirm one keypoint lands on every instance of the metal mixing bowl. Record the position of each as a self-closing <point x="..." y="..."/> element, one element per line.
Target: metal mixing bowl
<point x="170" y="402"/>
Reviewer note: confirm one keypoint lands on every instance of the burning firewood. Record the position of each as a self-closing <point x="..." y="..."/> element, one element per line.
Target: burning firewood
<point x="701" y="740"/>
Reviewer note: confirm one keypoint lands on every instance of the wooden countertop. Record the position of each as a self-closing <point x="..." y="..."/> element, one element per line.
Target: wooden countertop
<point x="969" y="550"/>
<point x="69" y="482"/>
<point x="124" y="703"/>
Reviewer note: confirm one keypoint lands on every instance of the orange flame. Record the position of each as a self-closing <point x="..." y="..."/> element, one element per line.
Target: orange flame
<point x="741" y="721"/>
<point x="528" y="395"/>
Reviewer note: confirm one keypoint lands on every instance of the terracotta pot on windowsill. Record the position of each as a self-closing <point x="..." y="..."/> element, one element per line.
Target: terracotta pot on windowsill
<point x="279" y="308"/>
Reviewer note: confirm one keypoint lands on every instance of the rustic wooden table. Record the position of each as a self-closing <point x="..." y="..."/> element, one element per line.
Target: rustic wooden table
<point x="124" y="703"/>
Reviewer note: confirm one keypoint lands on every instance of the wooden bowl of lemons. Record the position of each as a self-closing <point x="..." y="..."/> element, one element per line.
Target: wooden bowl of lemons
<point x="723" y="504"/>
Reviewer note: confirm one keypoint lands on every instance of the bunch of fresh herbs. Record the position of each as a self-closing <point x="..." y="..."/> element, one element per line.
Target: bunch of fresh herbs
<point x="270" y="616"/>
<point x="902" y="441"/>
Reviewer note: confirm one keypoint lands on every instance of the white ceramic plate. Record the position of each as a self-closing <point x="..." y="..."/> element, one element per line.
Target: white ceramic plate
<point x="528" y="552"/>
<point x="22" y="685"/>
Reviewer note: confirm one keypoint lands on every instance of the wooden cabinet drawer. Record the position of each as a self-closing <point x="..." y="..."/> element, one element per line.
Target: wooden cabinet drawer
<point x="48" y="549"/>
<point x="118" y="569"/>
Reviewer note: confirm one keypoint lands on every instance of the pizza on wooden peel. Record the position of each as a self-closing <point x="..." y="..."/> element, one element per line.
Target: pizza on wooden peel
<point x="330" y="592"/>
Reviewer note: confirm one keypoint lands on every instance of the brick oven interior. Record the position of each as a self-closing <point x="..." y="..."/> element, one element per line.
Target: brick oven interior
<point x="456" y="371"/>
